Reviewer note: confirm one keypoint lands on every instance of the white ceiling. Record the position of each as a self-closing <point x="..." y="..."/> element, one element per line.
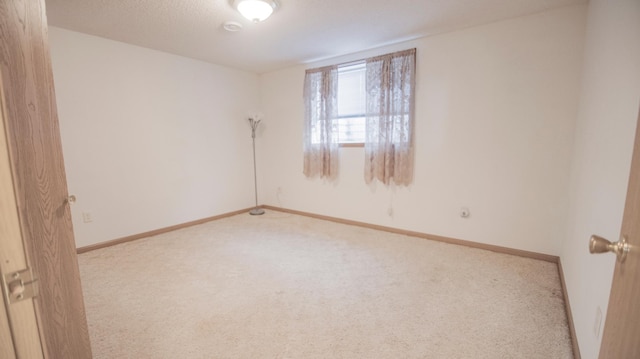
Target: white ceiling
<point x="299" y="31"/>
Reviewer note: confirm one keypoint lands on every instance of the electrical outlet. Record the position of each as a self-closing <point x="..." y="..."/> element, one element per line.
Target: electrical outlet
<point x="597" y="323"/>
<point x="87" y="217"/>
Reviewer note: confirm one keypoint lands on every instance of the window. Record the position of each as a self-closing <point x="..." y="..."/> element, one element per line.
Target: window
<point x="368" y="103"/>
<point x="351" y="103"/>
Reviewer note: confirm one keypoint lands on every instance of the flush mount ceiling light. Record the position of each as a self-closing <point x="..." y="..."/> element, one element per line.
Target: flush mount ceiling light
<point x="256" y="10"/>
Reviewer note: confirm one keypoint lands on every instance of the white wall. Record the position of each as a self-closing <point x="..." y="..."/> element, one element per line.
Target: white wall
<point x="150" y="139"/>
<point x="495" y="110"/>
<point x="603" y="145"/>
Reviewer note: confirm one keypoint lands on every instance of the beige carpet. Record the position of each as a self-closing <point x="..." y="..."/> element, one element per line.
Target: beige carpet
<point x="286" y="286"/>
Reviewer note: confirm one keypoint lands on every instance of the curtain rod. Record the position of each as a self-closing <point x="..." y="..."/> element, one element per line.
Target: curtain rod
<point x="361" y="61"/>
<point x="351" y="63"/>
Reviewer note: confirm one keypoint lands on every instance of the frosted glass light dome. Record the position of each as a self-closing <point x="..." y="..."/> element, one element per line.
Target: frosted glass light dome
<point x="256" y="10"/>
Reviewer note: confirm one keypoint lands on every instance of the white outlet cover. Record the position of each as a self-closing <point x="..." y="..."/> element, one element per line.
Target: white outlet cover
<point x="86" y="217"/>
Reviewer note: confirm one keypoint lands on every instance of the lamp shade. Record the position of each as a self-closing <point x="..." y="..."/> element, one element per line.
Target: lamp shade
<point x="255" y="10"/>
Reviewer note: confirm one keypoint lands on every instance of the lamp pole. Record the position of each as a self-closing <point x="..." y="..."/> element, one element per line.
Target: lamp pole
<point x="254" y="125"/>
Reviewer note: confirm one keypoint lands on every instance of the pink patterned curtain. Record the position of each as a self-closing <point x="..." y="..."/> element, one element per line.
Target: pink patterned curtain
<point x="321" y="145"/>
<point x="390" y="118"/>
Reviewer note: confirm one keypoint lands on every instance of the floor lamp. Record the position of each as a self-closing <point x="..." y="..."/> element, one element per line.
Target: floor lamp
<point x="254" y="125"/>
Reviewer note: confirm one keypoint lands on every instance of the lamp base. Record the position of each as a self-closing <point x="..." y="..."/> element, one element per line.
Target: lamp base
<point x="256" y="211"/>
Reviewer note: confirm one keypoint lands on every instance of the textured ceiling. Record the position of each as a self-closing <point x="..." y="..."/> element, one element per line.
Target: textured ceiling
<point x="298" y="31"/>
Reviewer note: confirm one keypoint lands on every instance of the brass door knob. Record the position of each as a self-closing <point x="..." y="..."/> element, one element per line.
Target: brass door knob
<point x="598" y="244"/>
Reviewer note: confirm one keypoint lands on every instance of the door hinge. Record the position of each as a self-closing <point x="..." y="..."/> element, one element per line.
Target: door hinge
<point x="20" y="285"/>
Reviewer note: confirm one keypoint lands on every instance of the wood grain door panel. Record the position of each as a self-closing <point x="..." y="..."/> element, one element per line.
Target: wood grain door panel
<point x="621" y="337"/>
<point x="19" y="334"/>
<point x="40" y="183"/>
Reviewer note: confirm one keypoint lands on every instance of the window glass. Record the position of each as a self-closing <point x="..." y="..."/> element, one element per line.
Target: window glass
<point x="351" y="103"/>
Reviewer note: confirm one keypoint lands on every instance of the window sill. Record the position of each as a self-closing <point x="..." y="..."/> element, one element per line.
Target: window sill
<point x="352" y="145"/>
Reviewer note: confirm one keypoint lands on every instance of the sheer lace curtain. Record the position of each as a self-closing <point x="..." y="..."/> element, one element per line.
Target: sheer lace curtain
<point x="320" y="130"/>
<point x="390" y="118"/>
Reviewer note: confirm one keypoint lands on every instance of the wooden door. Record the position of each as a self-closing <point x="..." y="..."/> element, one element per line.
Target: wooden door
<point x="19" y="336"/>
<point x="38" y="174"/>
<point x="621" y="338"/>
